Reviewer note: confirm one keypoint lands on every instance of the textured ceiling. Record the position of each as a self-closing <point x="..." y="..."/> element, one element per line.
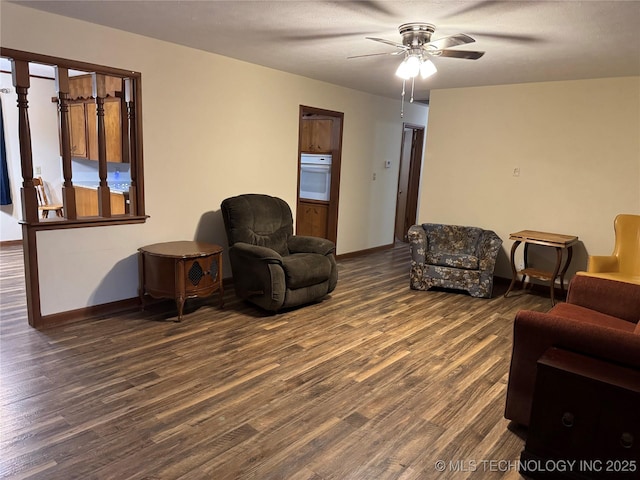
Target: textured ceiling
<point x="524" y="41"/>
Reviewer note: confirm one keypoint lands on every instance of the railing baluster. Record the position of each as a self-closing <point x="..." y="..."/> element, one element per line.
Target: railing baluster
<point x="68" y="191"/>
<point x="129" y="97"/>
<point x="104" y="193"/>
<point x="20" y="77"/>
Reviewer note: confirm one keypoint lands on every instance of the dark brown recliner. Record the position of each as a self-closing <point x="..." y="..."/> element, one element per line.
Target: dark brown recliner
<point x="599" y="319"/>
<point x="271" y="267"/>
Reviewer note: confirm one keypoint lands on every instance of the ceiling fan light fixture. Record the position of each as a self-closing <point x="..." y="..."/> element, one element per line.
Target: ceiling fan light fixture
<point x="427" y="68"/>
<point x="409" y="68"/>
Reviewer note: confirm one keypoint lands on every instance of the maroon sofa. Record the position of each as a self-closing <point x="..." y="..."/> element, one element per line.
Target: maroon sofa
<point x="600" y="318"/>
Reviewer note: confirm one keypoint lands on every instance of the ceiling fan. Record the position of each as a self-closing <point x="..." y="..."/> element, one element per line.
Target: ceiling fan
<point x="416" y="40"/>
<point x="418" y="48"/>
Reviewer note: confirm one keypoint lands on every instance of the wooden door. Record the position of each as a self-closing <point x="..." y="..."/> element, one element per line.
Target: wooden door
<point x="112" y="128"/>
<point x="78" y="120"/>
<point x="408" y="180"/>
<point x="311" y="218"/>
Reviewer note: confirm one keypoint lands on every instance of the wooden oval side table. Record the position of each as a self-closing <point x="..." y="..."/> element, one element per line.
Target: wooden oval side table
<point x="180" y="270"/>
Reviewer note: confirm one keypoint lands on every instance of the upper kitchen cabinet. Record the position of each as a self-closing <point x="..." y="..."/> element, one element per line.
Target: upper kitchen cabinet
<point x="84" y="120"/>
<point x="81" y="87"/>
<point x="316" y="135"/>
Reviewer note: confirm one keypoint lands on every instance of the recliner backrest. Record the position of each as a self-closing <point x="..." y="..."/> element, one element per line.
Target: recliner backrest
<point x="627" y="247"/>
<point x="258" y="220"/>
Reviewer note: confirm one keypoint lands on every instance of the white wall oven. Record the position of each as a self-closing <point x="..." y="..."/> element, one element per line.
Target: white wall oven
<point x="315" y="177"/>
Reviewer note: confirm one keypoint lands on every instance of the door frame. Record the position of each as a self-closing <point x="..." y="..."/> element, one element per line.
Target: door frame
<point x="415" y="169"/>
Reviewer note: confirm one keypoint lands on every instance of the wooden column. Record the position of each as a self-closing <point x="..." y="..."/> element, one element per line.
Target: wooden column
<point x="68" y="191"/>
<point x="131" y="139"/>
<point x="20" y="75"/>
<point x="104" y="193"/>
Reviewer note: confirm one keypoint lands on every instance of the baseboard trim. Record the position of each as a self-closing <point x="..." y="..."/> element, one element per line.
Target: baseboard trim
<point x="126" y="305"/>
<point x="10" y="243"/>
<point x="367" y="251"/>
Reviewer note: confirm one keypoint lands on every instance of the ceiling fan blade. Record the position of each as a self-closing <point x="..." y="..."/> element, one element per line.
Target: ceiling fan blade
<point x="388" y="42"/>
<point x="466" y="54"/>
<point x="450" y="41"/>
<point x="375" y="54"/>
<point x="509" y="37"/>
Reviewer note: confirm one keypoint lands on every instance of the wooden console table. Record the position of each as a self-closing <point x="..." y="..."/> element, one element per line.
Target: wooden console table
<point x="180" y="270"/>
<point x="555" y="240"/>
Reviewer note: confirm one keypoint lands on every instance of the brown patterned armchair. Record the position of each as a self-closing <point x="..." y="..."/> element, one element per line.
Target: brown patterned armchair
<point x="453" y="256"/>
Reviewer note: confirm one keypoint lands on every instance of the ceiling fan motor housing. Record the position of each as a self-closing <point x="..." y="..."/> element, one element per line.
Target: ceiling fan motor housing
<point x="416" y="34"/>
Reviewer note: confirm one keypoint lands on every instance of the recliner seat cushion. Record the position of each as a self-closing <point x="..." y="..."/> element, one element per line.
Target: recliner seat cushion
<point x="455" y="260"/>
<point x="304" y="269"/>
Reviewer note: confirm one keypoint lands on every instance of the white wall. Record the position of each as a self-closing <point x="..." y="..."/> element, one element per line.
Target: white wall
<point x="577" y="144"/>
<point x="45" y="148"/>
<point x="213" y="127"/>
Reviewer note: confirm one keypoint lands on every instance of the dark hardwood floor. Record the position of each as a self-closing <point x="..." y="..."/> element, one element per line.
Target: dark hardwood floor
<point x="375" y="382"/>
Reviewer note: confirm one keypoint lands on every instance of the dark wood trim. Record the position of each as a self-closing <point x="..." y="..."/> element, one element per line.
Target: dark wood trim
<point x="55" y="224"/>
<point x="124" y="306"/>
<point x="71" y="64"/>
<point x="32" y="276"/>
<point x="367" y="251"/>
<point x="10" y="243"/>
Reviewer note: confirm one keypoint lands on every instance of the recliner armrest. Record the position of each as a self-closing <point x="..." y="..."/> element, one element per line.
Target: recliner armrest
<point x="307" y="244"/>
<point x="256" y="252"/>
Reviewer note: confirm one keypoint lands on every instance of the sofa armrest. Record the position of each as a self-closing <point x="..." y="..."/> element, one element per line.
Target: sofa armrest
<point x="535" y="332"/>
<point x="618" y="299"/>
<point x="488" y="248"/>
<point x="418" y="243"/>
<point x="307" y="244"/>
<point x="255" y="252"/>
<point x="602" y="263"/>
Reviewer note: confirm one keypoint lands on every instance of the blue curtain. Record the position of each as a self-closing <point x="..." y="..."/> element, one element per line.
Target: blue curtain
<point x="5" y="190"/>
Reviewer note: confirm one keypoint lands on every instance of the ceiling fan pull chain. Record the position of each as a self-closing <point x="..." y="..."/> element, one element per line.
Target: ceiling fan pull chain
<point x="402" y="104"/>
<point x="413" y="83"/>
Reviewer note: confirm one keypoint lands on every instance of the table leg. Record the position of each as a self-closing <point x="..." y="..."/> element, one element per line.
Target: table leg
<point x="556" y="269"/>
<point x="514" y="272"/>
<point x="180" y="305"/>
<point x="141" y="279"/>
<point x="566" y="267"/>
<point x="180" y="287"/>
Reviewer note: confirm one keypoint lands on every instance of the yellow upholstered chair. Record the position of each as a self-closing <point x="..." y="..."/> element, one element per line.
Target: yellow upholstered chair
<point x="624" y="263"/>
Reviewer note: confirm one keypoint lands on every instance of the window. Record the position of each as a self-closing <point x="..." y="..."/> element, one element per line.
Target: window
<point x="94" y="167"/>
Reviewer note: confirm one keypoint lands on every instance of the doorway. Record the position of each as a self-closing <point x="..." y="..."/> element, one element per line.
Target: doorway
<point x="408" y="180"/>
<point x="320" y="139"/>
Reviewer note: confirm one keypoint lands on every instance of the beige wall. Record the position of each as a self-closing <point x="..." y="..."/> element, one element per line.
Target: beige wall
<point x="213" y="127"/>
<point x="576" y="143"/>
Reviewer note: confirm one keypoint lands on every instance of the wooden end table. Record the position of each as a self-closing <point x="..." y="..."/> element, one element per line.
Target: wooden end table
<point x="180" y="270"/>
<point x="555" y="240"/>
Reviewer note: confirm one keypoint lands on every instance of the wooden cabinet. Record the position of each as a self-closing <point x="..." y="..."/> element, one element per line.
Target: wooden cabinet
<point x="316" y="135"/>
<point x="87" y="202"/>
<point x="312" y="219"/>
<point x="112" y="127"/>
<point x="78" y="120"/>
<point x="84" y="120"/>
<point x="584" y="410"/>
<point x="180" y="270"/>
